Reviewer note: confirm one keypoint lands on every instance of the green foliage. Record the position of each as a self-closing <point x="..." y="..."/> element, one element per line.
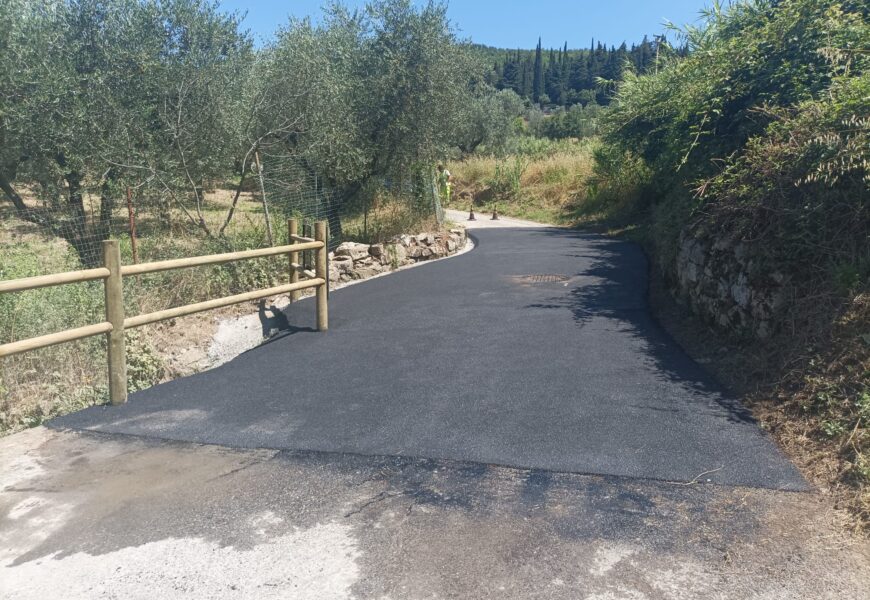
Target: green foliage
<point x="43" y="376"/>
<point x="492" y="123"/>
<point x="144" y="366"/>
<point x="378" y="91"/>
<point x="575" y="122"/>
<point x="762" y="131"/>
<point x="618" y="186"/>
<point x="506" y="182"/>
<point x="96" y="95"/>
<point x="37" y="312"/>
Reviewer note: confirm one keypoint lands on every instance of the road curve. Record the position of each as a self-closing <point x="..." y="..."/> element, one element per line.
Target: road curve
<point x="535" y="350"/>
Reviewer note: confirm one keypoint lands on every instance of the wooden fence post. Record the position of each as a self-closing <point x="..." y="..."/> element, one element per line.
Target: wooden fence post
<point x="117" y="351"/>
<point x="322" y="272"/>
<point x="293" y="229"/>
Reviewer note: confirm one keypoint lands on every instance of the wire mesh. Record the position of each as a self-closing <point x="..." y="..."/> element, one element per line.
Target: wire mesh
<point x="51" y="232"/>
<point x="295" y="191"/>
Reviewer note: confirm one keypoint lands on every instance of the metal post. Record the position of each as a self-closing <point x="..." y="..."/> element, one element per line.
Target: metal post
<point x="308" y="257"/>
<point x="322" y="273"/>
<point x="265" y="203"/>
<point x="132" y="217"/>
<point x="117" y="352"/>
<point x="293" y="229"/>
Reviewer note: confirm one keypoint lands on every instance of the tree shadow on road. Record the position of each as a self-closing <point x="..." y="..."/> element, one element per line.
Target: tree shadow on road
<point x="612" y="292"/>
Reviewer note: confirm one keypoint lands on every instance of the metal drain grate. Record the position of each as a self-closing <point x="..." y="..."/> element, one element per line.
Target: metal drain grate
<point x="543" y="278"/>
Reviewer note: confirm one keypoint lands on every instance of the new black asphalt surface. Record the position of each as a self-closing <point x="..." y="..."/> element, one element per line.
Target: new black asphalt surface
<point x="463" y="359"/>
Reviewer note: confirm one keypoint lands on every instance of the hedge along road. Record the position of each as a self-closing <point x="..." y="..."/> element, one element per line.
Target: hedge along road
<point x="535" y="350"/>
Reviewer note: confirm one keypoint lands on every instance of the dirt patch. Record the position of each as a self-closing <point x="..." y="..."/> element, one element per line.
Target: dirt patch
<point x="183" y="343"/>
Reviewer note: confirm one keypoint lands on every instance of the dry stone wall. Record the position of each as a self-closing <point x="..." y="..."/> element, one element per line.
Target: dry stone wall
<point x="729" y="283"/>
<point x="353" y="261"/>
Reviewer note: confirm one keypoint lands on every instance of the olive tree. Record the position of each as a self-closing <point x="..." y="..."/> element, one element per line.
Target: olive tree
<point x="490" y="120"/>
<point x="375" y="93"/>
<point x="101" y="93"/>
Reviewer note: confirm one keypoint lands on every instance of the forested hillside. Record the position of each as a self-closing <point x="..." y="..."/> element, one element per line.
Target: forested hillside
<point x="565" y="77"/>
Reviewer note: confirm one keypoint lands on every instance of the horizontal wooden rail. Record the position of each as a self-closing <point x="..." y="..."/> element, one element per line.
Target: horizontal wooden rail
<point x="112" y="274"/>
<point x="215" y="259"/>
<point x="42" y="281"/>
<point x="182" y="311"/>
<point x="52" y="339"/>
<point x="302" y="270"/>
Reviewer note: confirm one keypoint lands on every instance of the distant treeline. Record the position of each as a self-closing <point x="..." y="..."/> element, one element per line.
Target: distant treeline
<point x="566" y="77"/>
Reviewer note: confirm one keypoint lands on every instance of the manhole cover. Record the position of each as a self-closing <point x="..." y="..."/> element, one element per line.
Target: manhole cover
<point x="543" y="278"/>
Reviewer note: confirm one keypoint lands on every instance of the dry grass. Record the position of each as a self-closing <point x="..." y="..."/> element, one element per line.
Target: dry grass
<point x="805" y="389"/>
<point x="386" y="218"/>
<point x="550" y="188"/>
<point x="37" y="385"/>
<point x="818" y="408"/>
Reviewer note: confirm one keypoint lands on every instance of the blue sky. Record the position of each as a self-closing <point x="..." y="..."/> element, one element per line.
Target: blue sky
<point x="514" y="23"/>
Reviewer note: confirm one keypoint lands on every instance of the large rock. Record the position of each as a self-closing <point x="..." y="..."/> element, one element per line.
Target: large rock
<point x="420" y="253"/>
<point x="343" y="264"/>
<point x="369" y="270"/>
<point x="396" y="255"/>
<point x="354" y="250"/>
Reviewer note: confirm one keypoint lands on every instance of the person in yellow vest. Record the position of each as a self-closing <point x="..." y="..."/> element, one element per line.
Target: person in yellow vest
<point x="445" y="183"/>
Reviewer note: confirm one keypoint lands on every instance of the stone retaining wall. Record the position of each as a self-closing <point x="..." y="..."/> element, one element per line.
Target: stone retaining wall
<point x="353" y="261"/>
<point x="730" y="283"/>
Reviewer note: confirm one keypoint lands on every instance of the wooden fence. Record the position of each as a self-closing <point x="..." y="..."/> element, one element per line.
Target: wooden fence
<point x="112" y="273"/>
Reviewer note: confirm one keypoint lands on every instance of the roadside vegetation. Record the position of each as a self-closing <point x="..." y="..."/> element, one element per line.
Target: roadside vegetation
<point x="762" y="136"/>
<point x="540" y="180"/>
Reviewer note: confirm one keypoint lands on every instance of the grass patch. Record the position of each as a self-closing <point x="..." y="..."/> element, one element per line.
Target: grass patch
<point x="544" y="181"/>
<point x="386" y="217"/>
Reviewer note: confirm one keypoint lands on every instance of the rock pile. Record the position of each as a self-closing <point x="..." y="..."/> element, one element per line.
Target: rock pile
<point x="352" y="261"/>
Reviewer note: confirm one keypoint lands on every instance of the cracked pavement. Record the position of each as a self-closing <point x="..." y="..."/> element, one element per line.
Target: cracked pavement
<point x="102" y="516"/>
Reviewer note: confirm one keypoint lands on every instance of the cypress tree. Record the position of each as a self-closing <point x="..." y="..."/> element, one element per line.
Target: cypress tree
<point x="567" y="77"/>
<point x="538" y="83"/>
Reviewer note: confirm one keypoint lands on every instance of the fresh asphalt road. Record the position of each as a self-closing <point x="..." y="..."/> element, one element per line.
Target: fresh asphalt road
<point x="464" y="359"/>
